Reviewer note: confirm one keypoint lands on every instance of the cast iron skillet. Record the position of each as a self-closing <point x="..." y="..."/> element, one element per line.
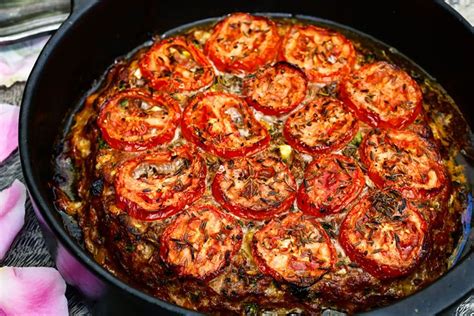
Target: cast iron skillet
<point x="430" y="33"/>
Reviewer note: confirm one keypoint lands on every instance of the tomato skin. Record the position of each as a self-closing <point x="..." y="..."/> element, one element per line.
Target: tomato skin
<point x="139" y="198"/>
<point x="330" y="173"/>
<point x="272" y="77"/>
<point x="225" y="38"/>
<point x="232" y="239"/>
<point x="278" y="171"/>
<point x="294" y="50"/>
<point x="367" y="80"/>
<point x="115" y="135"/>
<point x="320" y="111"/>
<point x="409" y="233"/>
<point x="278" y="230"/>
<point x="175" y="78"/>
<point x="410" y="158"/>
<point x="197" y="126"/>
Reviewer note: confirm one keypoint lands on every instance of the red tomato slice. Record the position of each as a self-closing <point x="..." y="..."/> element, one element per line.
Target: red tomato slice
<point x="331" y="182"/>
<point x="174" y="65"/>
<point x="134" y="120"/>
<point x="200" y="242"/>
<point x="382" y="95"/>
<point x="254" y="188"/>
<point x="321" y="126"/>
<point x="157" y="185"/>
<point x="404" y="160"/>
<point x="277" y="89"/>
<point x="242" y="43"/>
<point x="324" y="55"/>
<point x="384" y="234"/>
<point x="224" y="125"/>
<point x="294" y="249"/>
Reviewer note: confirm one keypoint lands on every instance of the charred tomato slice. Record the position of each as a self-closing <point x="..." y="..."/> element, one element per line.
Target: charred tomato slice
<point x="277" y="89"/>
<point x="384" y="234"/>
<point x="404" y="160"/>
<point x="322" y="126"/>
<point x="330" y="183"/>
<point x="134" y="120"/>
<point x="295" y="249"/>
<point x="241" y="43"/>
<point x="382" y="95"/>
<point x="159" y="184"/>
<point x="174" y="65"/>
<point x="200" y="242"/>
<point x="224" y="125"/>
<point x="254" y="188"/>
<point x="324" y="55"/>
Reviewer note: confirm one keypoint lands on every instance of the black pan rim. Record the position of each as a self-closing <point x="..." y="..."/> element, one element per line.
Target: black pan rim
<point x="39" y="201"/>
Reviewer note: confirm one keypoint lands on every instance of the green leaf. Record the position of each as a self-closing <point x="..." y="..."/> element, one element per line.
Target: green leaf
<point x="357" y="139"/>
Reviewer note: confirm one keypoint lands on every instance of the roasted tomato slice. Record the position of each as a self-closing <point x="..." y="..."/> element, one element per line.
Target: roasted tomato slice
<point x="330" y="183"/>
<point x="175" y="65"/>
<point x="384" y="234"/>
<point x="134" y="120"/>
<point x="277" y="89"/>
<point x="224" y="125"/>
<point x="295" y="249"/>
<point x="382" y="95"/>
<point x="321" y="126"/>
<point x="324" y="55"/>
<point x="200" y="242"/>
<point x="254" y="188"/>
<point x="159" y="184"/>
<point x="404" y="160"/>
<point x="242" y="43"/>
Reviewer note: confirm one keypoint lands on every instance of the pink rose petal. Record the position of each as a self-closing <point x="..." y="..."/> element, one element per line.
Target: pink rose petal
<point x="32" y="291"/>
<point x="12" y="215"/>
<point x="17" y="60"/>
<point x="9" y="115"/>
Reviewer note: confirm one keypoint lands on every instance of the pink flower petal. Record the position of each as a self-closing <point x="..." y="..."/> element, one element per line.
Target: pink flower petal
<point x="9" y="116"/>
<point x="75" y="274"/>
<point x="32" y="291"/>
<point x="17" y="60"/>
<point x="12" y="214"/>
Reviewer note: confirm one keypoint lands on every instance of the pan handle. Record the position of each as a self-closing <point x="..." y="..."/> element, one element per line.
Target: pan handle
<point x="23" y="19"/>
